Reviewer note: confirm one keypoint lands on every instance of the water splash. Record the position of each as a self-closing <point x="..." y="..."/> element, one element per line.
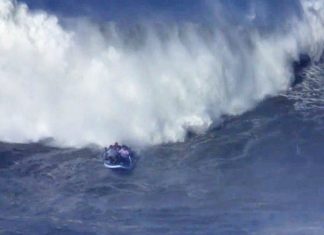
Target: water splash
<point x="86" y="84"/>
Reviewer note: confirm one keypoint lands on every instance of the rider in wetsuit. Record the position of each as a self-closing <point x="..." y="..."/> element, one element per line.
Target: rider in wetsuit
<point x="117" y="153"/>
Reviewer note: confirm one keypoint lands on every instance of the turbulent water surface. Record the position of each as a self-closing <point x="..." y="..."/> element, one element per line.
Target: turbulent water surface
<point x="223" y="103"/>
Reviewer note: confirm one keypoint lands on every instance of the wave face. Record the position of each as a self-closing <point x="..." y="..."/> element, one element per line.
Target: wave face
<point x="149" y="83"/>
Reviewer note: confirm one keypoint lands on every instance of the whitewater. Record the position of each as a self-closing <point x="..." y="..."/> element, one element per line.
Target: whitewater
<point x="221" y="101"/>
<point x="80" y="82"/>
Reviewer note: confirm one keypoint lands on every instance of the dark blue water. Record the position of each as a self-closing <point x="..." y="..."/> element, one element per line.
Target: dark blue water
<point x="261" y="172"/>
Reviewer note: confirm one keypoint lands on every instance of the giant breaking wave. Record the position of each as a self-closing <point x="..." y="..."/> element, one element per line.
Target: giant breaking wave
<point x="90" y="83"/>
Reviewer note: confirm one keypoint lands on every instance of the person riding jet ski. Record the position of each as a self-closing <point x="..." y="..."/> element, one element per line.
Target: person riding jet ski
<point x="111" y="155"/>
<point x="118" y="157"/>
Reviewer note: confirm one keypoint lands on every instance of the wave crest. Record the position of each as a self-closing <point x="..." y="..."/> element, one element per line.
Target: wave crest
<point x="86" y="84"/>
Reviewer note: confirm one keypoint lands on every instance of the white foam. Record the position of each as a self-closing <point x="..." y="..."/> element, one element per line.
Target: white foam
<point x="80" y="86"/>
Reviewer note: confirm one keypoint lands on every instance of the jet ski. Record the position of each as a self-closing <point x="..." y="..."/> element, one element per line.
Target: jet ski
<point x="118" y="157"/>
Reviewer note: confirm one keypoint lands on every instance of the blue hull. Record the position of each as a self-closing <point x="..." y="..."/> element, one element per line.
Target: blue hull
<point x="125" y="165"/>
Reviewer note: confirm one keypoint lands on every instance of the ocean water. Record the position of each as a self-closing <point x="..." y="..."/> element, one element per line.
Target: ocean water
<point x="222" y="101"/>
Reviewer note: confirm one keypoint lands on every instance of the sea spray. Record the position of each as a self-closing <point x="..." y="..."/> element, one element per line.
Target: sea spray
<point x="83" y="84"/>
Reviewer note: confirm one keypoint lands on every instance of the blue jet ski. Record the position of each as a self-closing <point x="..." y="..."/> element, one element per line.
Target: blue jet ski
<point x="118" y="157"/>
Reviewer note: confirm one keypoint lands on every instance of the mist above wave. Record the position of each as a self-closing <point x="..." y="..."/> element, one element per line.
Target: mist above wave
<point x="148" y="84"/>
